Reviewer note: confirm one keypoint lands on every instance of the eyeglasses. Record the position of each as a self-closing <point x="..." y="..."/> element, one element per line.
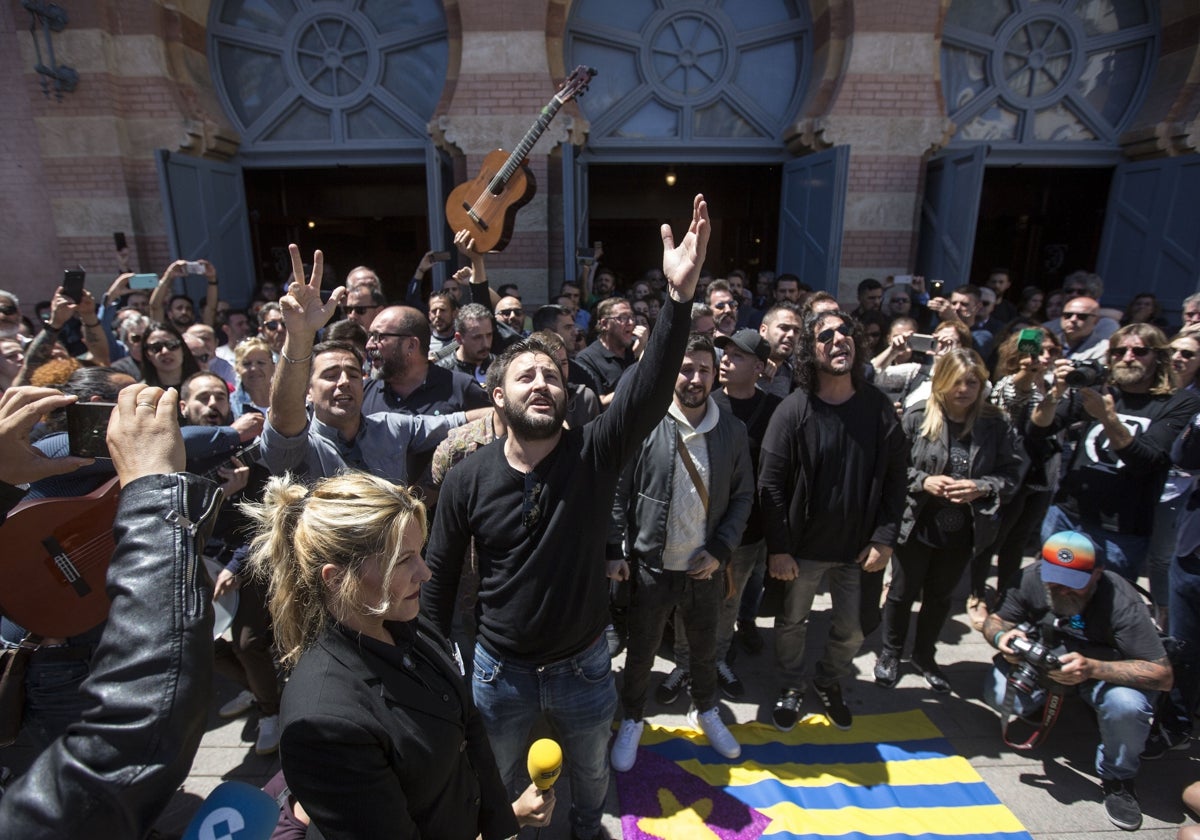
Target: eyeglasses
<point x="826" y="335"/>
<point x="531" y="504"/>
<point x="159" y="346"/>
<point x="271" y="326"/>
<point x="7" y="309"/>
<point x="509" y="313"/>
<point x="1187" y="355"/>
<point x="624" y="319"/>
<point x="360" y="310"/>
<point x="726" y="304"/>
<point x="377" y="336"/>
<point x="1140" y="352"/>
<point x="1082" y="316"/>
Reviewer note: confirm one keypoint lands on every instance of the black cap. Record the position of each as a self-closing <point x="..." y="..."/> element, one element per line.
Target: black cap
<point x="747" y="340"/>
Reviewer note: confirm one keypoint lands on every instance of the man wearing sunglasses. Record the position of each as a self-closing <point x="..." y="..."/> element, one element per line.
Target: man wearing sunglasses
<point x="364" y="301"/>
<point x="10" y="315"/>
<point x="1119" y="463"/>
<point x="724" y="306"/>
<point x="1077" y="328"/>
<point x="832" y="480"/>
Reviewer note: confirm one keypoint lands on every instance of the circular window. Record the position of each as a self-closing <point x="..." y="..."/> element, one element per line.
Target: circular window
<point x="682" y="72"/>
<point x="333" y="76"/>
<point x="1048" y="72"/>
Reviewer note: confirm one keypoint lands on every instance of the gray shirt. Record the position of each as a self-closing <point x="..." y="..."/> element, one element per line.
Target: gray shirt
<point x="381" y="447"/>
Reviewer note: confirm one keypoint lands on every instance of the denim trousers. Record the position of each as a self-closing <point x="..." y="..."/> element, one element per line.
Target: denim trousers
<point x="1122" y="553"/>
<point x="53" y="700"/>
<point x="1124" y="715"/>
<point x="742" y="563"/>
<point x="697" y="604"/>
<point x="845" y="632"/>
<point x="578" y="698"/>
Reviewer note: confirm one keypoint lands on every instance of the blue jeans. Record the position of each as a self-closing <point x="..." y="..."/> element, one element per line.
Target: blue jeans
<point x="1124" y="715"/>
<point x="53" y="700"/>
<point x="578" y="697"/>
<point x="1122" y="553"/>
<point x="845" y="631"/>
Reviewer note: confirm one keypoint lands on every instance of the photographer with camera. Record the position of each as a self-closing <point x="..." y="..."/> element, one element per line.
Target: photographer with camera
<point x="1069" y="624"/>
<point x="1123" y="433"/>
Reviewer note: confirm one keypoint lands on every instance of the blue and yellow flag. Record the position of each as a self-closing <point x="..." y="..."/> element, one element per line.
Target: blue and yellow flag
<point x="890" y="777"/>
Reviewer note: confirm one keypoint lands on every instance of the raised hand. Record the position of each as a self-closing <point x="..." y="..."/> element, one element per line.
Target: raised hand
<point x="143" y="433"/>
<point x="303" y="311"/>
<point x="21" y="408"/>
<point x="682" y="262"/>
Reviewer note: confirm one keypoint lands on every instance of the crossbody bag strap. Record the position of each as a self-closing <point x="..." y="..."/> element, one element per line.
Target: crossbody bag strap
<point x="690" y="466"/>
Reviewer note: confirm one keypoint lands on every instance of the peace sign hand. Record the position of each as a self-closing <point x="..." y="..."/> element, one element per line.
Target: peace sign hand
<point x="303" y="311"/>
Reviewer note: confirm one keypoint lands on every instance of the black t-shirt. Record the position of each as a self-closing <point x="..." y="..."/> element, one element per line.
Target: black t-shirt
<point x="1114" y="625"/>
<point x="604" y="366"/>
<point x="755" y="412"/>
<point x="944" y="524"/>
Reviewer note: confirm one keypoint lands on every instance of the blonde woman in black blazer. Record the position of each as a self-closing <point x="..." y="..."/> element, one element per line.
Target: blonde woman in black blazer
<point x="379" y="736"/>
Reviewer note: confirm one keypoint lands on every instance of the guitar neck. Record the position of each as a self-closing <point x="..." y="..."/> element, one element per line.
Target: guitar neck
<point x="525" y="146"/>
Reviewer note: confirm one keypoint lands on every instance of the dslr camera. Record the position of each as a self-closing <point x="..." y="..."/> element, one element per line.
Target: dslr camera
<point x="1086" y="374"/>
<point x="1036" y="660"/>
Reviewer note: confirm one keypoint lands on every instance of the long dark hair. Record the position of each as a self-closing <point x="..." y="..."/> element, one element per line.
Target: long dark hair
<point x="149" y="371"/>
<point x="806" y="350"/>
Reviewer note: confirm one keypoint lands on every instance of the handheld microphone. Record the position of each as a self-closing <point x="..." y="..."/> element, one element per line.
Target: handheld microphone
<point x="545" y="763"/>
<point x="234" y="810"/>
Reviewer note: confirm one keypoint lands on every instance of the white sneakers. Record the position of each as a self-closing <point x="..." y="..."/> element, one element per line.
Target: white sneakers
<point x="238" y="706"/>
<point x="268" y="735"/>
<point x="624" y="748"/>
<point x="714" y="729"/>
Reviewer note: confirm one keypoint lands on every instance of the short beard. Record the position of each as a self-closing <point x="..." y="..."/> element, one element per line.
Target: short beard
<point x="829" y="370"/>
<point x="690" y="400"/>
<point x="393" y="365"/>
<point x="1127" y="375"/>
<point x="1066" y="605"/>
<point x="525" y="425"/>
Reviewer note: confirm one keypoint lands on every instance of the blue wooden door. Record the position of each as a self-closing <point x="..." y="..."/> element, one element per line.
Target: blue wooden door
<point x="439" y="176"/>
<point x="949" y="211"/>
<point x="1151" y="240"/>
<point x="575" y="211"/>
<point x="812" y="205"/>
<point x="204" y="202"/>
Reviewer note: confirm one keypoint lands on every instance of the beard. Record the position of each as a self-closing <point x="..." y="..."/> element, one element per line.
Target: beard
<point x="1062" y="603"/>
<point x="527" y="425"/>
<point x="392" y="365"/>
<point x="1127" y="373"/>
<point x="691" y="397"/>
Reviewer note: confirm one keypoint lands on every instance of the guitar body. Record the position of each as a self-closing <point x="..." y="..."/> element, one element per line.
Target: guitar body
<point x="490" y="216"/>
<point x="55" y="561"/>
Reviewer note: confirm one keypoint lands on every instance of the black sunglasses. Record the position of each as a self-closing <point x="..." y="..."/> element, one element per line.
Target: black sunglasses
<point x="826" y="335"/>
<point x="158" y="346"/>
<point x="1082" y="316"/>
<point x="504" y="313"/>
<point x="1119" y="352"/>
<point x="7" y="309"/>
<point x="273" y="325"/>
<point x="1188" y="355"/>
<point x="360" y="310"/>
<point x="380" y="336"/>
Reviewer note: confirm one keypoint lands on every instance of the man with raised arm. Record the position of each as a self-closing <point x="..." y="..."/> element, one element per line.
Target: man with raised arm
<point x="529" y="501"/>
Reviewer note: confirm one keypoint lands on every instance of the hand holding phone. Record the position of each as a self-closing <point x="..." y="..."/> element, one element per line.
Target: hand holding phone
<point x="195" y="267"/>
<point x="87" y="429"/>
<point x="72" y="285"/>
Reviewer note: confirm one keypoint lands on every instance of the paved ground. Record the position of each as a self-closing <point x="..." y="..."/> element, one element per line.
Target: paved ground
<point x="1052" y="790"/>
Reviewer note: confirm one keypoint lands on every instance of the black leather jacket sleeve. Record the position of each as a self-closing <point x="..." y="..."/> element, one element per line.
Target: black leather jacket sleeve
<point x="114" y="772"/>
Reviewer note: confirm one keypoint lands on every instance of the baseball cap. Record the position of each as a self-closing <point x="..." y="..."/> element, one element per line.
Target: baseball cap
<point x="1068" y="558"/>
<point x="748" y="341"/>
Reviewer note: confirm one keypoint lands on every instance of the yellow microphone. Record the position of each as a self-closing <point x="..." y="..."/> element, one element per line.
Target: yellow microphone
<point x="545" y="763"/>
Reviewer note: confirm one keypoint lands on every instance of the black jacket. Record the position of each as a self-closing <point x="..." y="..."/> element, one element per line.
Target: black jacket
<point x="150" y="682"/>
<point x="372" y="752"/>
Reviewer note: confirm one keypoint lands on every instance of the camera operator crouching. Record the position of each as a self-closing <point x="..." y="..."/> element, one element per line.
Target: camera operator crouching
<point x="1069" y="625"/>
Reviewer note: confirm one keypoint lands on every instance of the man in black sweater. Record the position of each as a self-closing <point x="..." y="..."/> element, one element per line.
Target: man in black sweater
<point x="529" y="500"/>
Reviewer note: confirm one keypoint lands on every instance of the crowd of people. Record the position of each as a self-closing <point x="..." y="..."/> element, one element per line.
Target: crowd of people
<point x="446" y="516"/>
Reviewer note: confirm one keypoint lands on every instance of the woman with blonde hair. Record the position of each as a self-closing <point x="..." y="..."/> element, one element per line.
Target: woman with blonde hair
<point x="255" y="366"/>
<point x="962" y="464"/>
<point x="379" y="735"/>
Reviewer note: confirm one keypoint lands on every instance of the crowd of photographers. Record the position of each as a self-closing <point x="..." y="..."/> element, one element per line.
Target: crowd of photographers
<point x="1031" y="422"/>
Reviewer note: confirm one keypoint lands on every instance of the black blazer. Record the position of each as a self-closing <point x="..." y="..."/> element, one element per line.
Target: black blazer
<point x="372" y="752"/>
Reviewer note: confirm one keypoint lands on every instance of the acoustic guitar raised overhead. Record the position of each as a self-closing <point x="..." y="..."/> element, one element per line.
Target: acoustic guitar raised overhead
<point x="487" y="205"/>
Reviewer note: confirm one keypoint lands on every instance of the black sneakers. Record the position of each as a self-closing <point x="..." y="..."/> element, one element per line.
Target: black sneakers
<point x="1120" y="804"/>
<point x="1162" y="741"/>
<point x="835" y="707"/>
<point x="887" y="670"/>
<point x="731" y="686"/>
<point x="787" y="709"/>
<point x="932" y="674"/>
<point x="668" y="690"/>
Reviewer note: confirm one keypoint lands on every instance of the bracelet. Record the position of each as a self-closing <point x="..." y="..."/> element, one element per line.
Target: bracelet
<point x="996" y="639"/>
<point x="290" y="360"/>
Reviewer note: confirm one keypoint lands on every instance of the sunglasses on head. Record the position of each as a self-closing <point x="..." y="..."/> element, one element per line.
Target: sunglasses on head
<point x="826" y="335"/>
<point x="273" y="325"/>
<point x="1140" y="352"/>
<point x="159" y="346"/>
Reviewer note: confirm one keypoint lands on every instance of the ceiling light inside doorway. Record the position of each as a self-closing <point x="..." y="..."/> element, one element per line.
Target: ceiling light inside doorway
<point x="311" y="224"/>
<point x="670" y="177"/>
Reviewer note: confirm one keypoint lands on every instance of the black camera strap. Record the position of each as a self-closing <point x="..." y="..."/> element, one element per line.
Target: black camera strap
<point x="1050" y="710"/>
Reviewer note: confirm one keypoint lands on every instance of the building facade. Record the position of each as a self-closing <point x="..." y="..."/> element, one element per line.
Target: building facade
<point x="836" y="139"/>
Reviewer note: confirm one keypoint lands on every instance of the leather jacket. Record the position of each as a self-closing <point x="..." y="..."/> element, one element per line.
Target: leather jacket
<point x="150" y="681"/>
